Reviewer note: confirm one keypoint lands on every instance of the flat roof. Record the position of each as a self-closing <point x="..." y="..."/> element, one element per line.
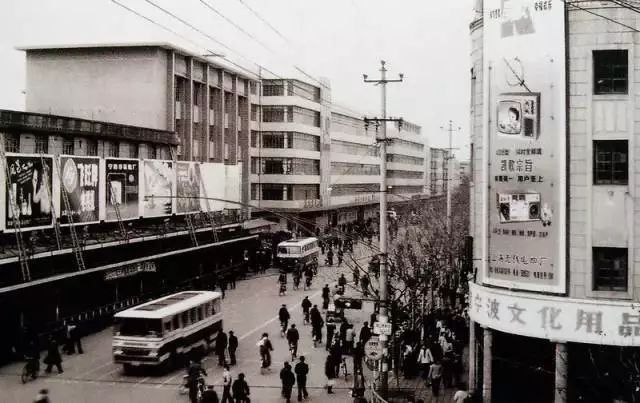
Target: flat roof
<point x="169" y="305"/>
<point x="162" y="45"/>
<point x="298" y="241"/>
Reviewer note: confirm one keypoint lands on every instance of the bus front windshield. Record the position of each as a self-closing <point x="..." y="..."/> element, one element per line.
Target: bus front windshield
<point x="138" y="327"/>
<point x="289" y="250"/>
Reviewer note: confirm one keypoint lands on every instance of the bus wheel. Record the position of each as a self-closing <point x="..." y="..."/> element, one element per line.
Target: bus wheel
<point x="127" y="368"/>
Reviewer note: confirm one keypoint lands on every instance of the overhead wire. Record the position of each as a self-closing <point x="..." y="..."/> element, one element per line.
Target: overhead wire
<point x="258" y="16"/>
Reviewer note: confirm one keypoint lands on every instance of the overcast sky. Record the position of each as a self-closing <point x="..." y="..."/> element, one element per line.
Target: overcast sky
<point x="340" y="40"/>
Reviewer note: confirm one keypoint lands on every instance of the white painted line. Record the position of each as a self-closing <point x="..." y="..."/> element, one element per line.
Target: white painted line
<point x="97" y="368"/>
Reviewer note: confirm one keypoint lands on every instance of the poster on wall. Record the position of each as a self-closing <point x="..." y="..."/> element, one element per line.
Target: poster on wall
<point x="159" y="179"/>
<point x="524" y="55"/>
<point x="213" y="186"/>
<point x="80" y="182"/>
<point x="122" y="188"/>
<point x="188" y="182"/>
<point x="29" y="192"/>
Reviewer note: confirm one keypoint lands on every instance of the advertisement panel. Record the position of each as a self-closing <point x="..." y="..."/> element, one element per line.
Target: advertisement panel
<point x="80" y="182"/>
<point x="159" y="181"/>
<point x="233" y="178"/>
<point x="30" y="187"/>
<point x="122" y="187"/>
<point x="213" y="186"/>
<point x="188" y="182"/>
<point x="524" y="56"/>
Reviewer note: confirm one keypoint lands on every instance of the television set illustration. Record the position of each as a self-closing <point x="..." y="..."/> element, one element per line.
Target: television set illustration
<point x="518" y="207"/>
<point x="518" y="115"/>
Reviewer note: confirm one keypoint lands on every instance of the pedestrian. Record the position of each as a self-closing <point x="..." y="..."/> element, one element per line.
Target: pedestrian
<point x="325" y="297"/>
<point x="223" y="285"/>
<point x="406" y="360"/>
<point x="233" y="346"/>
<point x="331" y="328"/>
<point x="241" y="390"/>
<point x="76" y="343"/>
<point x="365" y="333"/>
<point x="364" y="285"/>
<point x="288" y="379"/>
<point x="348" y="340"/>
<point x="461" y="396"/>
<point x="221" y="347"/>
<point x="425" y="359"/>
<point x="342" y="282"/>
<point x="435" y="378"/>
<point x="316" y="323"/>
<point x="302" y="370"/>
<point x="330" y="372"/>
<point x="329" y="260"/>
<point x="358" y="357"/>
<point x="265" y="349"/>
<point x="292" y="338"/>
<point x="209" y="395"/>
<point x="226" y="385"/>
<point x="306" y="305"/>
<point x="340" y="256"/>
<point x="232" y="278"/>
<point x="53" y="356"/>
<point x="42" y="396"/>
<point x="336" y="354"/>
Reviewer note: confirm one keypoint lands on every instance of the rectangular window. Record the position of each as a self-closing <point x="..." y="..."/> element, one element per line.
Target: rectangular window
<point x="92" y="147"/>
<point x="610" y="162"/>
<point x="273" y="114"/>
<point x="113" y="148"/>
<point x="12" y="143"/>
<point x="273" y="89"/>
<point x="67" y="146"/>
<point x="610" y="71"/>
<point x="610" y="269"/>
<point x="133" y="150"/>
<point x="42" y="144"/>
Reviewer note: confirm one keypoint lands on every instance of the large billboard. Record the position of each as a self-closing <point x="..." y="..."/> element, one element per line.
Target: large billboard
<point x="159" y="181"/>
<point x="80" y="182"/>
<point x="188" y="183"/>
<point x="30" y="188"/>
<point x="524" y="88"/>
<point x="122" y="188"/>
<point x="213" y="186"/>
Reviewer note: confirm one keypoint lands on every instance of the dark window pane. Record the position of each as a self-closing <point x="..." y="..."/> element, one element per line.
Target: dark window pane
<point x="610" y="71"/>
<point x="610" y="163"/>
<point x="610" y="269"/>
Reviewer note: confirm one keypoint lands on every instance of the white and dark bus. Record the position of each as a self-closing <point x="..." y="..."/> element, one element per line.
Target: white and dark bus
<point x="166" y="330"/>
<point x="293" y="252"/>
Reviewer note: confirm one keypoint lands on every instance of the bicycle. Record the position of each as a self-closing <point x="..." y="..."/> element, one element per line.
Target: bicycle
<point x="343" y="368"/>
<point x="30" y="370"/>
<point x="293" y="349"/>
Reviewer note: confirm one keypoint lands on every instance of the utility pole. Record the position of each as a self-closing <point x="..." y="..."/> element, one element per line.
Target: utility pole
<point x="384" y="380"/>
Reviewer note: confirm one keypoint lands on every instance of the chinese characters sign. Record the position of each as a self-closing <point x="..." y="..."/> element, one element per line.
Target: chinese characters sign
<point x="122" y="188"/>
<point x="80" y="181"/>
<point x="556" y="318"/>
<point x="526" y="134"/>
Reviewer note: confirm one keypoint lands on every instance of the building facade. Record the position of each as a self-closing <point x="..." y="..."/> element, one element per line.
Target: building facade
<point x="554" y="202"/>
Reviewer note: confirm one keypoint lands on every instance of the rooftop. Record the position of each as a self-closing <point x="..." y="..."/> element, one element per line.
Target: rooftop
<point x="169" y="305"/>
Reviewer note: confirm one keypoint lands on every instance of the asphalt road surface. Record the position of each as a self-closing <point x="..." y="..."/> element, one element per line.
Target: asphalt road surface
<point x="249" y="310"/>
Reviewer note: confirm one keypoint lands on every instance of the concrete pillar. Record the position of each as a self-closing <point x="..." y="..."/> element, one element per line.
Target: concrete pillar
<point x="472" y="356"/>
<point x="486" y="365"/>
<point x="562" y="359"/>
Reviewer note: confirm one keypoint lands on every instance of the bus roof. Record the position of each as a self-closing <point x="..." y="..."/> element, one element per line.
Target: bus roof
<point x="169" y="305"/>
<point x="298" y="242"/>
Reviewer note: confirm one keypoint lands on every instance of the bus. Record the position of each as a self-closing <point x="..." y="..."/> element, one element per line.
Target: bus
<point x="295" y="251"/>
<point x="165" y="331"/>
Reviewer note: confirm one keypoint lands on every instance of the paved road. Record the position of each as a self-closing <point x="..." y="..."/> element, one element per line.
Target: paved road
<point x="250" y="310"/>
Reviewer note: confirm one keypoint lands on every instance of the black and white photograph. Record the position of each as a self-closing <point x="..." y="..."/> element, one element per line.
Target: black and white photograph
<point x="363" y="201"/>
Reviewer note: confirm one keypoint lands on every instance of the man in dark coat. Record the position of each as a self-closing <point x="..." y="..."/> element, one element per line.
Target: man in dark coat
<point x="358" y="356"/>
<point x="209" y="395"/>
<point x="330" y="372"/>
<point x="53" y="357"/>
<point x="302" y="370"/>
<point x="365" y="333"/>
<point x="233" y="346"/>
<point x="316" y="323"/>
<point x="221" y="346"/>
<point x="288" y="380"/>
<point x="325" y="296"/>
<point x="240" y="389"/>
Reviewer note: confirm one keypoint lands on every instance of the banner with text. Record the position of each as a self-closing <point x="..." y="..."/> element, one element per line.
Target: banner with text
<point x="188" y="182"/>
<point x="524" y="53"/>
<point x="81" y="184"/>
<point x="30" y="188"/>
<point x="122" y="188"/>
<point x="159" y="180"/>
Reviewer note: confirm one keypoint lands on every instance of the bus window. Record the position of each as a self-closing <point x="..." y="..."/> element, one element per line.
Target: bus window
<point x="200" y="310"/>
<point x="176" y="322"/>
<point x="185" y="319"/>
<point x="192" y="315"/>
<point x="139" y="327"/>
<point x="216" y="306"/>
<point x="167" y="326"/>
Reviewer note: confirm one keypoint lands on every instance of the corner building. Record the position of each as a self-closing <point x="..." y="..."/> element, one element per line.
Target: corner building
<point x="554" y="202"/>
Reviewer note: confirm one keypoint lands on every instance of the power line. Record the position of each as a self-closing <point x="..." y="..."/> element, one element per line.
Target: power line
<point x="589" y="11"/>
<point x="264" y="21"/>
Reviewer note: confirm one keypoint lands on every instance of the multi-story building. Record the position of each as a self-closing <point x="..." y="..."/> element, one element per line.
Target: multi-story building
<point x="555" y="202"/>
<point x="315" y="159"/>
<point x="438" y="171"/>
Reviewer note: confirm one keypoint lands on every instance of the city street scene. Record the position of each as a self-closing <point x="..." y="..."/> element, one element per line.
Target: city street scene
<point x="361" y="201"/>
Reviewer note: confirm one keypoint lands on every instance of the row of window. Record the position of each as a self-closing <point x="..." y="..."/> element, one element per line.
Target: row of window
<point x="405" y="159"/>
<point x="291" y="114"/>
<point x="192" y="316"/>
<point x="41" y="146"/>
<point x="400" y="174"/>
<point x="348" y="168"/>
<point x="354" y="148"/>
<point x="406" y="189"/>
<point x="276" y="191"/>
<point x="354" y="189"/>
<point x="410" y="144"/>
<point x="276" y="88"/>
<point x="294" y="140"/>
<point x="346" y="124"/>
<point x="285" y="166"/>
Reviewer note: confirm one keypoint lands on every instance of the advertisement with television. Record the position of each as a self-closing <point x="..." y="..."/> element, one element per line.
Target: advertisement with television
<point x="122" y="188"/>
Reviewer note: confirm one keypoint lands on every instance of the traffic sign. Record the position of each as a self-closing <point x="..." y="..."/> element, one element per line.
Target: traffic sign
<point x="382" y="328"/>
<point x="373" y="348"/>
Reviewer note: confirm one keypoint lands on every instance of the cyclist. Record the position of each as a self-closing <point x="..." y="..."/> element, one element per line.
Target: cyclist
<point x="282" y="281"/>
<point x="340" y="256"/>
<point x="265" y="349"/>
<point x="308" y="274"/>
<point x="342" y="282"/>
<point x="297" y="275"/>
<point x="292" y="337"/>
<point x="195" y="382"/>
<point x="283" y="315"/>
<point x="306" y="305"/>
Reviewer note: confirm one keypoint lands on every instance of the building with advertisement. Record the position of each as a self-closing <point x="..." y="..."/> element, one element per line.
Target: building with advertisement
<point x="554" y="200"/>
<point x="438" y="171"/>
<point x="316" y="159"/>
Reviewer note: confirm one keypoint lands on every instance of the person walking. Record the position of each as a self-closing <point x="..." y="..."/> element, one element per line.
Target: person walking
<point x="358" y="357"/>
<point x="435" y="377"/>
<point x="342" y="282"/>
<point x="330" y="372"/>
<point x="241" y="390"/>
<point x="365" y="333"/>
<point x="223" y="285"/>
<point x="331" y="328"/>
<point x="292" y="338"/>
<point x="340" y="256"/>
<point x="288" y="379"/>
<point x="302" y="370"/>
<point x="316" y="323"/>
<point x="226" y="385"/>
<point x="425" y="359"/>
<point x="233" y="346"/>
<point x="265" y="349"/>
<point x="221" y="347"/>
<point x="306" y="305"/>
<point x="364" y="285"/>
<point x="325" y="297"/>
<point x="42" y="396"/>
<point x="209" y="395"/>
<point x="53" y="356"/>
